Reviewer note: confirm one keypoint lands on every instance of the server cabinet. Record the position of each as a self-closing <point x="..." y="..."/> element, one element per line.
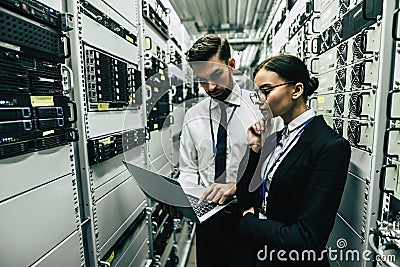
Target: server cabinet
<point x="39" y="202"/>
<point x="109" y="76"/>
<point x="353" y="54"/>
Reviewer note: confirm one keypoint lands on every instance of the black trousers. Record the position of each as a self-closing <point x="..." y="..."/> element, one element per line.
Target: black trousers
<point x="217" y="239"/>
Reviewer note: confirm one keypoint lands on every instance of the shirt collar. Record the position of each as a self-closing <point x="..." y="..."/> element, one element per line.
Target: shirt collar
<point x="234" y="98"/>
<point x="300" y="120"/>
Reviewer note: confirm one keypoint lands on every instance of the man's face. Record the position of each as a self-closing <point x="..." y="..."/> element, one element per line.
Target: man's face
<point x="215" y="76"/>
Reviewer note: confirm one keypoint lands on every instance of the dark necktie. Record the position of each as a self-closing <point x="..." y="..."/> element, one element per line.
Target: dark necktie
<point x="220" y="157"/>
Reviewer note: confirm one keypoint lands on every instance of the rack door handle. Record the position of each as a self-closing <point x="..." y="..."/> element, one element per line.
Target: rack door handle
<point x="311" y="66"/>
<point x="394" y="25"/>
<point x="382" y="178"/>
<point x="68" y="42"/>
<point x="389" y="106"/>
<point x="386" y="143"/>
<point x="315" y="43"/>
<point x="72" y="106"/>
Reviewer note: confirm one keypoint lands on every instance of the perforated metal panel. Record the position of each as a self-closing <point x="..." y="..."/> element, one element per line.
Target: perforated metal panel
<point x="22" y="32"/>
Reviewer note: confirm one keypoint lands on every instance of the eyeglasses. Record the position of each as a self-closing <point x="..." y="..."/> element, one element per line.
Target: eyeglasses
<point x="261" y="94"/>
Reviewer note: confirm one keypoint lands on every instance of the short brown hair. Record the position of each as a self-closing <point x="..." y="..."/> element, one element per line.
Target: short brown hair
<point x="207" y="46"/>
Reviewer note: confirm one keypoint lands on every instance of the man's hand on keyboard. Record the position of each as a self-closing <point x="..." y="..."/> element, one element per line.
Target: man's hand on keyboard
<point x="218" y="193"/>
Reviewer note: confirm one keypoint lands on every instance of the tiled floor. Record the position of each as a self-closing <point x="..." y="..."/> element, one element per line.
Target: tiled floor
<point x="191" y="262"/>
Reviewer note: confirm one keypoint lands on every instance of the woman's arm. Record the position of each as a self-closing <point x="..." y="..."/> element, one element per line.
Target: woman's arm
<point x="247" y="168"/>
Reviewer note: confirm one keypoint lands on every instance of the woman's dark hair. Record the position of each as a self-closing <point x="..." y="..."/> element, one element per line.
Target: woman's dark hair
<point x="206" y="47"/>
<point x="290" y="68"/>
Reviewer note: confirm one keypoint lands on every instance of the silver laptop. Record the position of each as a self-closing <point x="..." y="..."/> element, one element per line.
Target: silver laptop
<point x="183" y="196"/>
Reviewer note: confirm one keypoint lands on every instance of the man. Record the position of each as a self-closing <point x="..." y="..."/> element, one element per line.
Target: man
<point x="213" y="141"/>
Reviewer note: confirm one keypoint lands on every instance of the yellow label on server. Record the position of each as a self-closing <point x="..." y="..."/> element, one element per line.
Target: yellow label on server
<point x="105" y="141"/>
<point x="321" y="100"/>
<point x="111" y="258"/>
<point x="155" y="89"/>
<point x="147" y="43"/>
<point x="48" y="132"/>
<point x="155" y="126"/>
<point x="162" y="78"/>
<point x="130" y="39"/>
<point x="102" y="106"/>
<point x="42" y="101"/>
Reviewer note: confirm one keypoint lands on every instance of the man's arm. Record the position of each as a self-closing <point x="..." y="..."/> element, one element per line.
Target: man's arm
<point x="188" y="160"/>
<point x="188" y="165"/>
<point x="218" y="193"/>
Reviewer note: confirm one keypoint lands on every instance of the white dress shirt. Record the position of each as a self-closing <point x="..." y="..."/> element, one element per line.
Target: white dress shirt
<point x="196" y="158"/>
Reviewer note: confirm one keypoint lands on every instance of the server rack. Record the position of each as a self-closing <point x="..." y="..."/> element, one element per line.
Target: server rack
<point x="40" y="208"/>
<point x="108" y="77"/>
<point x="385" y="232"/>
<point x="169" y="239"/>
<point x="350" y="46"/>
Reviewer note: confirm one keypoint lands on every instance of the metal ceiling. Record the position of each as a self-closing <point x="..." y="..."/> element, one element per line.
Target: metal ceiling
<point x="242" y="22"/>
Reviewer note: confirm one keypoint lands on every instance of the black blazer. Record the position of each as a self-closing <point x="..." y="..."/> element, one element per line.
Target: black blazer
<point x="303" y="198"/>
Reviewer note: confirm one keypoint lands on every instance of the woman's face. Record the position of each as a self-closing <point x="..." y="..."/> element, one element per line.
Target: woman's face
<point x="279" y="99"/>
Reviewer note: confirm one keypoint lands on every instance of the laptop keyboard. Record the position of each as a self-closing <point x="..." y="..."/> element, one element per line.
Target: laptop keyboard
<point x="200" y="209"/>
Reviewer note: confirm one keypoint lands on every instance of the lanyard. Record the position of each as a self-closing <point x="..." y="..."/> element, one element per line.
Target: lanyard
<point x="225" y="129"/>
<point x="265" y="175"/>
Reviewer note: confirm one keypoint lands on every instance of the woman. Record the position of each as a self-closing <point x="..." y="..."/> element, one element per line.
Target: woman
<point x="291" y="186"/>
